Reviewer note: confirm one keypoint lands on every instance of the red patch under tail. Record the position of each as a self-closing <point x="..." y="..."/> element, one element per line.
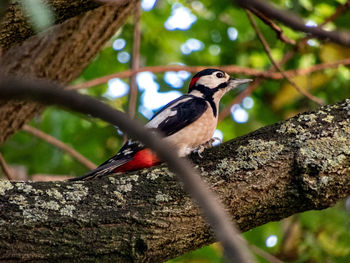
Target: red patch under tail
<point x="142" y="159"/>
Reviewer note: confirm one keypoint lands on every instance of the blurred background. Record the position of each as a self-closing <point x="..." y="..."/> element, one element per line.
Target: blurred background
<point x="207" y="33"/>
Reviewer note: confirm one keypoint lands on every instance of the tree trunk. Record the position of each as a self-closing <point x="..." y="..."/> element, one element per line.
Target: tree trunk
<point x="145" y="216"/>
<point x="60" y="55"/>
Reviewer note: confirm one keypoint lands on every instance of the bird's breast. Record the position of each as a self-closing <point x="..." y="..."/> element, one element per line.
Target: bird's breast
<point x="195" y="134"/>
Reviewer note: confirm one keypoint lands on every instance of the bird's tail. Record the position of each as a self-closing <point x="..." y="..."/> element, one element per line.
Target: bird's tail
<point x="102" y="170"/>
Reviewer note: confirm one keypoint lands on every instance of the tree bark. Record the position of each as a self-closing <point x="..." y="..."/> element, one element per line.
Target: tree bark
<point x="15" y="28"/>
<point x="145" y="216"/>
<point x="60" y="55"/>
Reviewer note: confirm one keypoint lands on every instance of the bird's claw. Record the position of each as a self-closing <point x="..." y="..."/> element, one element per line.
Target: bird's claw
<point x="212" y="140"/>
<point x="199" y="150"/>
<point x="205" y="145"/>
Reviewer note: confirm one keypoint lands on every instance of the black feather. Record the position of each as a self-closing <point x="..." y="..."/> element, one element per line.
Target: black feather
<point x="208" y="94"/>
<point x="206" y="72"/>
<point x="186" y="113"/>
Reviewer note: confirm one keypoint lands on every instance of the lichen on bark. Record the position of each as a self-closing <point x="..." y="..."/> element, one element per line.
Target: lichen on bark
<point x="300" y="164"/>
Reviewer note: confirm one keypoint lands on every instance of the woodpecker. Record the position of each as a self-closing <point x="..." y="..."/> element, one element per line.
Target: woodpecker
<point x="188" y="123"/>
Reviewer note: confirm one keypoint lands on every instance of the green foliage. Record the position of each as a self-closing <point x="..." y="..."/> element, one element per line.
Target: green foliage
<point x="324" y="235"/>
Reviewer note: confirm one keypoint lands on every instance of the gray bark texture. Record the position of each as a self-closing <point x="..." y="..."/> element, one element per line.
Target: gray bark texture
<point x="145" y="216"/>
<point x="60" y="54"/>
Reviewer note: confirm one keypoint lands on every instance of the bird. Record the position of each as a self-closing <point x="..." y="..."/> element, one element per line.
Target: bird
<point x="187" y="123"/>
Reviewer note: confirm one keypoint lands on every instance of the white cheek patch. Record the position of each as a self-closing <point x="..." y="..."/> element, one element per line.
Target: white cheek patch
<point x="211" y="81"/>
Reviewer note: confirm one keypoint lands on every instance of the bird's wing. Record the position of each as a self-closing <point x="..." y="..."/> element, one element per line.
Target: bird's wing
<point x="125" y="154"/>
<point x="178" y="114"/>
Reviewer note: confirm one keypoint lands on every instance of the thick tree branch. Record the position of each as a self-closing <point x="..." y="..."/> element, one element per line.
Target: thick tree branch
<point x="272" y="173"/>
<point x="49" y="93"/>
<point x="46" y="56"/>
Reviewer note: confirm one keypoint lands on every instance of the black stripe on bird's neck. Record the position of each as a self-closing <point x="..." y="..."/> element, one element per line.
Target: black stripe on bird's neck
<point x="208" y="94"/>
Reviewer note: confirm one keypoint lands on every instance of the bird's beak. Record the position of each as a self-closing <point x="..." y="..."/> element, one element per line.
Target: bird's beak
<point x="236" y="82"/>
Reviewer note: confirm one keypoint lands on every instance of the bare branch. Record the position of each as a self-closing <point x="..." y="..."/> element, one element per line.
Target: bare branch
<point x="253" y="86"/>
<point x="231" y="69"/>
<point x="135" y="61"/>
<point x="265" y="255"/>
<point x="278" y="67"/>
<point x="161" y="69"/>
<point x="279" y="32"/>
<point x="289" y="55"/>
<point x="59" y="144"/>
<point x="338" y="12"/>
<point x="293" y="21"/>
<point x="5" y="168"/>
<point x="48" y="93"/>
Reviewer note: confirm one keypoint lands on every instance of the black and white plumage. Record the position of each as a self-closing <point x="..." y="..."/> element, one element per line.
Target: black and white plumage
<point x="187" y="123"/>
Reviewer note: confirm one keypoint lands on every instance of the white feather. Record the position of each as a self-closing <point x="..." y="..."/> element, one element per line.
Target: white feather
<point x="154" y="123"/>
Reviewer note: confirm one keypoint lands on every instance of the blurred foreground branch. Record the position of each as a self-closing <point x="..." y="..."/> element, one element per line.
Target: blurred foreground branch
<point x="50" y="93"/>
<point x="272" y="173"/>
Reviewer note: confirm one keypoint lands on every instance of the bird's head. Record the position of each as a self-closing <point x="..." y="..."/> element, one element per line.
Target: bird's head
<point x="214" y="83"/>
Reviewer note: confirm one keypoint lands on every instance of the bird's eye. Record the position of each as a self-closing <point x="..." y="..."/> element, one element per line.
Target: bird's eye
<point x="220" y="75"/>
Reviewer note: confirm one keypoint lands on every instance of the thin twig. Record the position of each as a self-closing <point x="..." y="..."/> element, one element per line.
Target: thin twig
<point x="135" y="65"/>
<point x="61" y="145"/>
<point x="288" y="56"/>
<point x="49" y="93"/>
<point x="278" y="67"/>
<point x="160" y="69"/>
<point x="265" y="255"/>
<point x="231" y="69"/>
<point x="253" y="86"/>
<point x="135" y="61"/>
<point x="295" y="22"/>
<point x="6" y="169"/>
<point x="338" y="12"/>
<point x="279" y="32"/>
